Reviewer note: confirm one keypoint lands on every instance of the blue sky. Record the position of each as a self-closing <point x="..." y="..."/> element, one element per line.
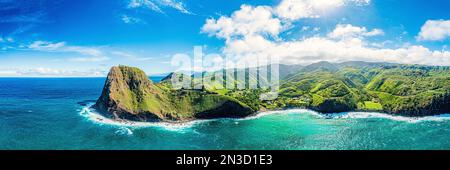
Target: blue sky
<point x="85" y="37"/>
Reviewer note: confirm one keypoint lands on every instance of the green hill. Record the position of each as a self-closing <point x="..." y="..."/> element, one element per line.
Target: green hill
<point x="409" y="90"/>
<point x="129" y="94"/>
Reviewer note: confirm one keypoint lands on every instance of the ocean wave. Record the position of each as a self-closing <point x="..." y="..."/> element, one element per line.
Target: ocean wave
<point x="124" y="131"/>
<point x="353" y="115"/>
<point x="290" y="111"/>
<point x="366" y="115"/>
<point x="90" y="113"/>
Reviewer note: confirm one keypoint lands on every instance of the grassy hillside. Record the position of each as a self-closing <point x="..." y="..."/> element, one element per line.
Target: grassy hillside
<point x="129" y="94"/>
<point x="400" y="89"/>
<point x="409" y="90"/>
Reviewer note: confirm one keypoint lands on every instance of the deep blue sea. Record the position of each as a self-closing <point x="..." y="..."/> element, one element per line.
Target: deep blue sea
<point x="54" y="114"/>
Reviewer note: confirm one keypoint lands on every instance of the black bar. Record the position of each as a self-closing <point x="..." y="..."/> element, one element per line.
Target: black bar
<point x="168" y="159"/>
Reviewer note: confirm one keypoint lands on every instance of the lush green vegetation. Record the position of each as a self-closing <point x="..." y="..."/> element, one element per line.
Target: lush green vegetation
<point x="327" y="87"/>
<point x="399" y="89"/>
<point x="410" y="90"/>
<point x="129" y="94"/>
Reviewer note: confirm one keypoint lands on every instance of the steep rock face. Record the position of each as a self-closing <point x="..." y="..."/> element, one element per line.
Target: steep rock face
<point x="125" y="88"/>
<point x="129" y="94"/>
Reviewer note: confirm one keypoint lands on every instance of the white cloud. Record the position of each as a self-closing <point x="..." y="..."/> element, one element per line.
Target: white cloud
<point x="178" y="5"/>
<point x="123" y="54"/>
<point x="157" y="5"/>
<point x="9" y="39"/>
<point x="297" y="9"/>
<point x="316" y="49"/>
<point x="89" y="59"/>
<point x="374" y="32"/>
<point x="250" y="44"/>
<point x="246" y="30"/>
<point x="131" y="56"/>
<point x="359" y="2"/>
<point x="144" y="3"/>
<point x="50" y="72"/>
<point x="83" y="53"/>
<point x="266" y="20"/>
<point x="130" y="20"/>
<point x="316" y="29"/>
<point x="46" y="46"/>
<point x="147" y="58"/>
<point x="5" y="73"/>
<point x="40" y="71"/>
<point x="434" y="30"/>
<point x="305" y="28"/>
<point x="248" y="21"/>
<point x="350" y="31"/>
<point x="89" y="53"/>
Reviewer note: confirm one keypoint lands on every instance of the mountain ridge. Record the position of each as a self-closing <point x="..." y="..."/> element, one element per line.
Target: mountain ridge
<point x="408" y="90"/>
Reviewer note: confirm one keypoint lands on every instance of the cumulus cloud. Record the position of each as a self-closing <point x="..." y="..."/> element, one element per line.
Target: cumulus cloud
<point x="434" y="30"/>
<point x="297" y="9"/>
<point x="251" y="34"/>
<point x="317" y="49"/>
<point x="270" y="21"/>
<point x="248" y="21"/>
<point x="158" y="5"/>
<point x="350" y="31"/>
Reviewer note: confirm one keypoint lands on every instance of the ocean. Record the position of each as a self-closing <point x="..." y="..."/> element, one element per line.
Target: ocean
<point x="54" y="114"/>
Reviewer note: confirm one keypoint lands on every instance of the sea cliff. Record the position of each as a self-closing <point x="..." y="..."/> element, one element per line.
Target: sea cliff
<point x="129" y="94"/>
<point x="324" y="87"/>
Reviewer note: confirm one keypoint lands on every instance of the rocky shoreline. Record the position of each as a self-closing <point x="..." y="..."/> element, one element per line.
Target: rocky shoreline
<point x="128" y="94"/>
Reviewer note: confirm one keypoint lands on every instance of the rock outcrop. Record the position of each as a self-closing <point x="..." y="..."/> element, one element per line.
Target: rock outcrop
<point x="405" y="90"/>
<point x="129" y="94"/>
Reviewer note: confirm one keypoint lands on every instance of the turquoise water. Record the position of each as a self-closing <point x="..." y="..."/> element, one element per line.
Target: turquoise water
<point x="44" y="113"/>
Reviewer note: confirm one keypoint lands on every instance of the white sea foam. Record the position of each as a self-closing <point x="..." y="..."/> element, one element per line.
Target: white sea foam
<point x="353" y="115"/>
<point x="290" y="111"/>
<point x="90" y="113"/>
<point x="367" y="115"/>
<point x="124" y="131"/>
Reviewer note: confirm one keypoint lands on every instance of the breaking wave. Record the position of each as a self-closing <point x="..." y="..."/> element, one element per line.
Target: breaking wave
<point x="367" y="115"/>
<point x="353" y="115"/>
<point x="124" y="131"/>
<point x="88" y="112"/>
